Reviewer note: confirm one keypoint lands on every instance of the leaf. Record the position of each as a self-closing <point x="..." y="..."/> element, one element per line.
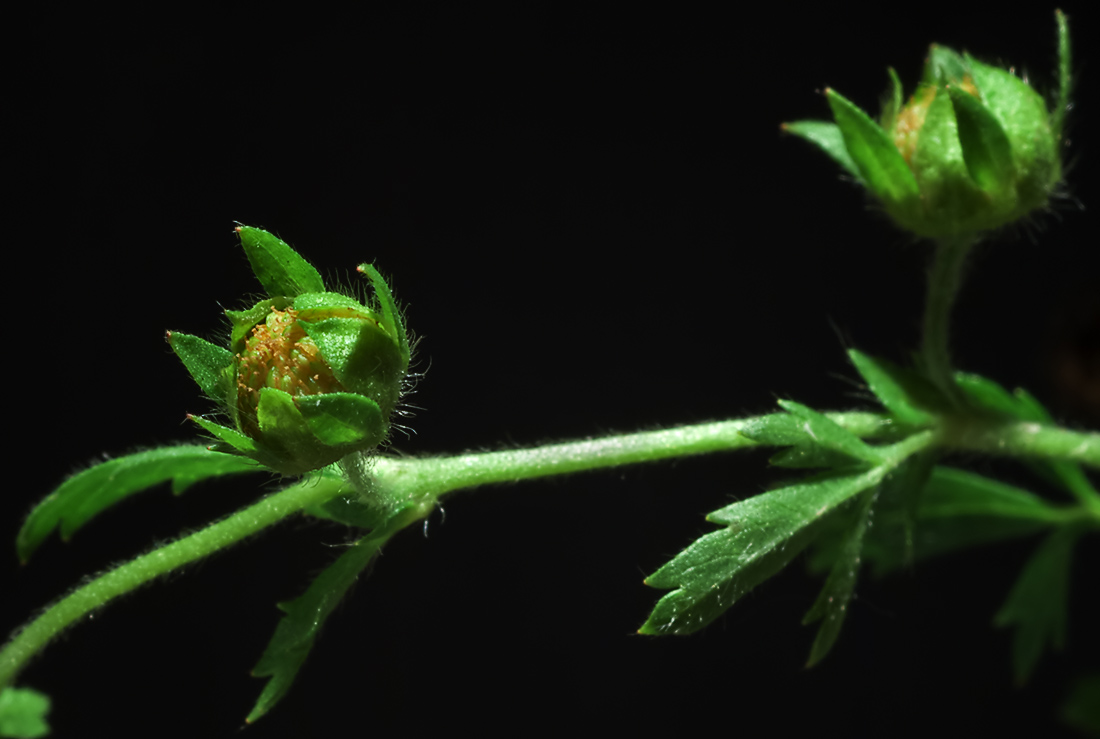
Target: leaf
<point x="280" y="269"/>
<point x="23" y="713"/>
<point x="953" y="493"/>
<point x="1081" y="708"/>
<point x="827" y="137"/>
<point x="296" y="632"/>
<point x="343" y="418"/>
<point x="831" y="605"/>
<point x="881" y="165"/>
<point x="907" y="395"/>
<point x="1037" y="603"/>
<point x="391" y="315"/>
<point x="87" y="493"/>
<point x="991" y="397"/>
<point x="804" y="456"/>
<point x="762" y="535"/>
<point x="830" y="435"/>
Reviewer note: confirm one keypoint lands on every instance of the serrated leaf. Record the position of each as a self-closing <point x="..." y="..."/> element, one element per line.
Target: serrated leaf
<point x="827" y="137"/>
<point x="280" y="269"/>
<point x="88" y="493"/>
<point x="832" y="602"/>
<point x="297" y="630"/>
<point x="719" y="567"/>
<point x="1037" y="604"/>
<point x="23" y="713"/>
<point x="874" y="153"/>
<point x="830" y="435"/>
<point x="905" y="394"/>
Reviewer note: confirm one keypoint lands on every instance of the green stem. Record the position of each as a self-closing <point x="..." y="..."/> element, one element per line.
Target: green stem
<point x="944" y="280"/>
<point x="133" y="574"/>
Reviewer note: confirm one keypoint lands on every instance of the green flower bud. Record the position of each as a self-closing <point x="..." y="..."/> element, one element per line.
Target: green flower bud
<point x="310" y="376"/>
<point x="974" y="149"/>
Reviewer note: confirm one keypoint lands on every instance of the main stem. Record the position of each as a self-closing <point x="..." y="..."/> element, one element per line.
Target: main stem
<point x="944" y="280"/>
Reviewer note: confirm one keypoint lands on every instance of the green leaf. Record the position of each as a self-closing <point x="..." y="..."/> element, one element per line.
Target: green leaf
<point x="1081" y="708"/>
<point x="1037" y="604"/>
<point x="878" y="160"/>
<point x="776" y="429"/>
<point x="950" y="196"/>
<point x="762" y="534"/>
<point x="991" y="397"/>
<point x="985" y="147"/>
<point x="205" y="361"/>
<point x="827" y="137"/>
<point x="23" y="713"/>
<point x="296" y="632"/>
<point x="350" y="510"/>
<point x="952" y="493"/>
<point x="831" y="605"/>
<point x="830" y="435"/>
<point x="87" y="493"/>
<point x="343" y="418"/>
<point x="808" y="456"/>
<point x="907" y="395"/>
<point x="280" y="269"/>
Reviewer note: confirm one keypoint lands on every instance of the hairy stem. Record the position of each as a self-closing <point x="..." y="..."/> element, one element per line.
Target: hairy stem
<point x="944" y="280"/>
<point x="133" y="574"/>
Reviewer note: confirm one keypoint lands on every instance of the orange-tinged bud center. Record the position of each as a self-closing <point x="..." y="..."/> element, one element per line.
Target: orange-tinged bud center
<point x="909" y="122"/>
<point x="279" y="355"/>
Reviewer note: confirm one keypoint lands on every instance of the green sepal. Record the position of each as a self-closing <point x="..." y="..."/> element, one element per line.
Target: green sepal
<point x="282" y="425"/>
<point x="23" y="713"/>
<point x="952" y="201"/>
<point x="243" y="321"/>
<point x="86" y="494"/>
<point x="943" y="66"/>
<point x="350" y="510"/>
<point x="343" y="418"/>
<point x="1065" y="80"/>
<point x="205" y="361"/>
<point x="892" y="102"/>
<point x="905" y="394"/>
<point x="364" y="358"/>
<point x="986" y="150"/>
<point x="832" y="602"/>
<point x="827" y="137"/>
<point x="230" y="438"/>
<point x="1037" y="604"/>
<point x="280" y="269"/>
<point x="881" y="165"/>
<point x="1023" y="116"/>
<point x="297" y="630"/>
<point x="391" y="316"/>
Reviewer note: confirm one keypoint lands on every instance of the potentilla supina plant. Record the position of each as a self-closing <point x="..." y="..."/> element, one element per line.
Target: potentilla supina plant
<point x="975" y="147"/>
<point x="310" y="376"/>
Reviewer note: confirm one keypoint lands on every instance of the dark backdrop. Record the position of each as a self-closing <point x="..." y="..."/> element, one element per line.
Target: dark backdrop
<point x="595" y="225"/>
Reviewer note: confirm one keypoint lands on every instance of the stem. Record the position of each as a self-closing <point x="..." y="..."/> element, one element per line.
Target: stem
<point x="436" y="476"/>
<point x="126" y="577"/>
<point x="944" y="281"/>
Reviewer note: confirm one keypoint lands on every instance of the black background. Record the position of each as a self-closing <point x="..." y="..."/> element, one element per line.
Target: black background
<point x="595" y="226"/>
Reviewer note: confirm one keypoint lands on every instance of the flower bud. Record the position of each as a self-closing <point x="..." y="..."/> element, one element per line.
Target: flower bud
<point x="310" y="376"/>
<point x="974" y="149"/>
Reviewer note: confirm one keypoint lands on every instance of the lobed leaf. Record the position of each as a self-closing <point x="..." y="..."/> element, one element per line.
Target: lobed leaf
<point x="281" y="270"/>
<point x="831" y="605"/>
<point x="296" y="632"/>
<point x="829" y="435"/>
<point x="23" y="713"/>
<point x="762" y="535"/>
<point x="1037" y="604"/>
<point x="908" y="396"/>
<point x="88" y="493"/>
